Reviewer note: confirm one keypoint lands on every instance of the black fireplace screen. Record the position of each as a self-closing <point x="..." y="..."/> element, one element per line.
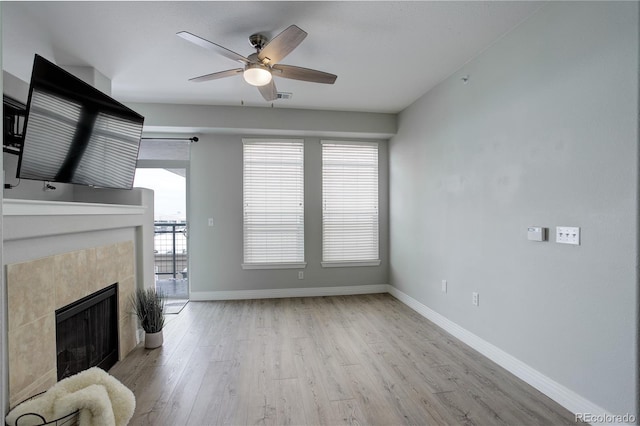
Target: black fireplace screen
<point x="87" y="333"/>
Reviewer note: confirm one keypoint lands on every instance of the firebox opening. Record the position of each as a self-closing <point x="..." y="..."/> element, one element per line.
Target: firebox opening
<point x="87" y="333"/>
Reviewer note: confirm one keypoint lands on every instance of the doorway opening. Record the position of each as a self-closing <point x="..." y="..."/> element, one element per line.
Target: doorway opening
<point x="171" y="248"/>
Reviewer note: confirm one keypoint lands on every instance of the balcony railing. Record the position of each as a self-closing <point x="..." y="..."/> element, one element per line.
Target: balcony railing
<point x="170" y="248"/>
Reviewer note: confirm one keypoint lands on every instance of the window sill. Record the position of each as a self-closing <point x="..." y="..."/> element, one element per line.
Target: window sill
<point x="295" y="265"/>
<point x="351" y="264"/>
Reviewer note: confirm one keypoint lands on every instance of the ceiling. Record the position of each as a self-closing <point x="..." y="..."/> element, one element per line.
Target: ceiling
<point x="386" y="54"/>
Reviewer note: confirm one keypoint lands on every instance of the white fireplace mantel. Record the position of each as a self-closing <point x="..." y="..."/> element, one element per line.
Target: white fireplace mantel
<point x="33" y="229"/>
<point x="14" y="207"/>
<point x="36" y="218"/>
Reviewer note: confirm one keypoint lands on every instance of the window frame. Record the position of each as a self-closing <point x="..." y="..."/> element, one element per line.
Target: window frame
<point x="285" y="264"/>
<point x="352" y="262"/>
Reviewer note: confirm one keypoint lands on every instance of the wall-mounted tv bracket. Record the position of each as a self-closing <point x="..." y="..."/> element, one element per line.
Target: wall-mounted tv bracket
<point x="14" y="117"/>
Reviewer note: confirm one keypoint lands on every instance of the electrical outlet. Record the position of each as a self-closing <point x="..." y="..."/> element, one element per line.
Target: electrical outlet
<point x="475" y="298"/>
<point x="301" y="275"/>
<point x="568" y="235"/>
<point x="444" y="286"/>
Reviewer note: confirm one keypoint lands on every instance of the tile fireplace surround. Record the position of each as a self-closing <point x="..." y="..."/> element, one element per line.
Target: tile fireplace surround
<point x="36" y="288"/>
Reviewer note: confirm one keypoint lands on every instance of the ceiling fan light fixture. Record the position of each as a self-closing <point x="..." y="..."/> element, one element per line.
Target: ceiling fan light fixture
<point x="256" y="75"/>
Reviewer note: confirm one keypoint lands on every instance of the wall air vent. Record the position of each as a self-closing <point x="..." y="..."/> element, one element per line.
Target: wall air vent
<point x="284" y="95"/>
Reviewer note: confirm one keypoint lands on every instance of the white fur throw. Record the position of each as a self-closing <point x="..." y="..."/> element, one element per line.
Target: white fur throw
<point x="101" y="399"/>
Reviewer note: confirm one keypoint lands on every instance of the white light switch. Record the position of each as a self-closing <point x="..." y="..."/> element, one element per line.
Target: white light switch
<point x="210" y="221"/>
<point x="568" y="235"/>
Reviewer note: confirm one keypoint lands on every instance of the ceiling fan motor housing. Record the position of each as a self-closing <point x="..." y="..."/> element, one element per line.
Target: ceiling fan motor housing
<point x="258" y="41"/>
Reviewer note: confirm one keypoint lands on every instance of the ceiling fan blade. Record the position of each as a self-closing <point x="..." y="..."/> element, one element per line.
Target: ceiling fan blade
<point x="212" y="46"/>
<point x="216" y="75"/>
<point x="304" y="74"/>
<point x="269" y="91"/>
<point x="281" y="45"/>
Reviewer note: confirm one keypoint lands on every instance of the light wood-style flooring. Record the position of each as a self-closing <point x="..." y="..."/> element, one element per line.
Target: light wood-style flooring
<point x="359" y="360"/>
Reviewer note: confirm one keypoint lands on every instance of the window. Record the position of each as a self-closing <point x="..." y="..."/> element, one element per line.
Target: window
<point x="273" y="194"/>
<point x="349" y="204"/>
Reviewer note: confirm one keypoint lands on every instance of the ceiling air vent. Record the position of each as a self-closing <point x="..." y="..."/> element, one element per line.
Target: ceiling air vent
<point x="284" y="95"/>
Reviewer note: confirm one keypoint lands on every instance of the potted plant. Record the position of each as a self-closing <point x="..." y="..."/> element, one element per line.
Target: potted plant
<point x="148" y="305"/>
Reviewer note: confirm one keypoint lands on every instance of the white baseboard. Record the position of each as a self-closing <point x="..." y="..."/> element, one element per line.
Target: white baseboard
<point x="554" y="390"/>
<point x="288" y="292"/>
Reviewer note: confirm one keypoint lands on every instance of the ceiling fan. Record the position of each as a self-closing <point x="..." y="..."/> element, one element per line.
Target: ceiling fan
<point x="260" y="67"/>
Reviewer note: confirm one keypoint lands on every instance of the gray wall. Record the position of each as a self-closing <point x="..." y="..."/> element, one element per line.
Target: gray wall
<point x="216" y="252"/>
<point x="215" y="191"/>
<point x="544" y="133"/>
<point x="257" y="121"/>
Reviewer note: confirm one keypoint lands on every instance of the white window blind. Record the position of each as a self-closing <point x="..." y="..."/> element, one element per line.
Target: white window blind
<point x="273" y="193"/>
<point x="350" y="203"/>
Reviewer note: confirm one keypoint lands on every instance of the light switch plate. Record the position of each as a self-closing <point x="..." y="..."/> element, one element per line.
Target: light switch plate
<point x="568" y="235"/>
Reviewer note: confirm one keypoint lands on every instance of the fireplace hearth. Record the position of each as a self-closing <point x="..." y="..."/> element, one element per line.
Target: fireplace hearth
<point x="87" y="333"/>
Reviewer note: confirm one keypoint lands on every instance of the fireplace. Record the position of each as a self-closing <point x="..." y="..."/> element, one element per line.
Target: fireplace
<point x="87" y="333"/>
<point x="39" y="289"/>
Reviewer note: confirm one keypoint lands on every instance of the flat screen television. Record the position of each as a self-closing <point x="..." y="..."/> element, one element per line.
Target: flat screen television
<point x="76" y="134"/>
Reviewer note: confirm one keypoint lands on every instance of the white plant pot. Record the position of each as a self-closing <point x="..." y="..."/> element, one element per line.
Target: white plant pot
<point x="153" y="340"/>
